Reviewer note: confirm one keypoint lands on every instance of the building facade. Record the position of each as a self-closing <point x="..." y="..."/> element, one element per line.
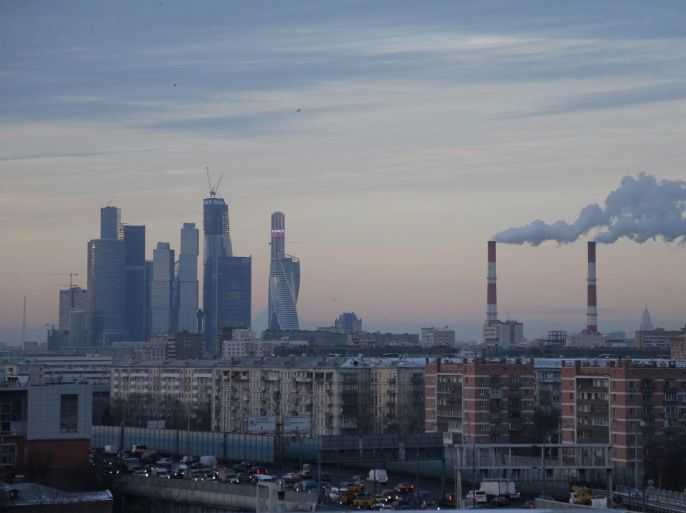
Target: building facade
<point x="431" y="337"/>
<point x="134" y="276"/>
<point x="480" y="401"/>
<point x="625" y="404"/>
<point x="234" y="293"/>
<point x="45" y="425"/>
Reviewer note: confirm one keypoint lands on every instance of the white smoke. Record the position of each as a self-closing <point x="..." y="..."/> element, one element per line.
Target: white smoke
<point x="641" y="208"/>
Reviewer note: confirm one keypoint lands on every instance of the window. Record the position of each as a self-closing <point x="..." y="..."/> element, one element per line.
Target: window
<point x="69" y="413"/>
<point x="8" y="455"/>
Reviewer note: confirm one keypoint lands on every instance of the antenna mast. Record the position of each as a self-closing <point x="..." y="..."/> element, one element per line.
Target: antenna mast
<point x="23" y="324"/>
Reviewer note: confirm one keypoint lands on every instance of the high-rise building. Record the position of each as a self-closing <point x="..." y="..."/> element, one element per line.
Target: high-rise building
<point x="148" y="299"/>
<point x="106" y="299"/>
<point x="73" y="298"/>
<point x="217" y="242"/>
<point x="110" y="219"/>
<point x="284" y="280"/>
<point x="234" y="294"/>
<point x="161" y="294"/>
<point x="134" y="287"/>
<point x="348" y="322"/>
<point x="187" y="280"/>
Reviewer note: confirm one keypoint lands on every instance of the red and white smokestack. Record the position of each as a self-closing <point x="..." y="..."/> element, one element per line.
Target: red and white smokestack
<point x="591" y="301"/>
<point x="491" y="296"/>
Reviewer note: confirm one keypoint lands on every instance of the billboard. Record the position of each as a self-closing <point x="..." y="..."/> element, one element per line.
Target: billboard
<point x="293" y="424"/>
<point x="262" y="424"/>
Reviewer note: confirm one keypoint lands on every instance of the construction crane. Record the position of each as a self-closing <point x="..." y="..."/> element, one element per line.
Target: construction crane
<point x="214" y="189"/>
<point x="71" y="285"/>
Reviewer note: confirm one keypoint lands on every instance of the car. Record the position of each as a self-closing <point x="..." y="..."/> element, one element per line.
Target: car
<point x="477" y="496"/>
<point x="449" y="499"/>
<point x="290" y="476"/>
<point x="404" y="488"/>
<point x="529" y="505"/>
<point x="500" y="500"/>
<point x="363" y="501"/>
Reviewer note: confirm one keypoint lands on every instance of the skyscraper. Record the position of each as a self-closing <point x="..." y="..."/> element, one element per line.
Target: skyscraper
<point x="284" y="280"/>
<point x="106" y="300"/>
<point x="134" y="286"/>
<point x="73" y="298"/>
<point x="234" y="294"/>
<point x="110" y="219"/>
<point x="187" y="280"/>
<point x="217" y="245"/>
<point x="161" y="294"/>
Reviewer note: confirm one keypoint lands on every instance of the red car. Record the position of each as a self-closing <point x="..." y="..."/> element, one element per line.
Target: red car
<point x="404" y="488"/>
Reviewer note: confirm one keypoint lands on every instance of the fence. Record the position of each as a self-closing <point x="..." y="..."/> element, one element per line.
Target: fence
<point x="259" y="448"/>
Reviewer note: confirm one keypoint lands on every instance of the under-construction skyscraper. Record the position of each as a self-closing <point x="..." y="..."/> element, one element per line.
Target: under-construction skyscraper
<point x="217" y="244"/>
<point x="284" y="280"/>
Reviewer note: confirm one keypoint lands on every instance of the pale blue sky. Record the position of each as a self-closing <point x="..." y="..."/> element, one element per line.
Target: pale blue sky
<point x="425" y="128"/>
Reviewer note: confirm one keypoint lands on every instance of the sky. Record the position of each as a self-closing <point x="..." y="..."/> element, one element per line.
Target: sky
<point x="424" y="129"/>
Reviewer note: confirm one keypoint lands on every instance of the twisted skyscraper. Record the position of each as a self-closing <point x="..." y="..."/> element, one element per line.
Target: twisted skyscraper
<point x="284" y="280"/>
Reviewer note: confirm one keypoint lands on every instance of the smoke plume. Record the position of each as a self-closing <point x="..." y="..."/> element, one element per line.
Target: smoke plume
<point x="641" y="208"/>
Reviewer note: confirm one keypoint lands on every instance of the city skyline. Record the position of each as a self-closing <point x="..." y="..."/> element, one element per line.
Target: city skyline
<point x="421" y="133"/>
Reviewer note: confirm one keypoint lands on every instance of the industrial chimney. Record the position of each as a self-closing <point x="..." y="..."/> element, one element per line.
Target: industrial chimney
<point x="591" y="301"/>
<point x="491" y="297"/>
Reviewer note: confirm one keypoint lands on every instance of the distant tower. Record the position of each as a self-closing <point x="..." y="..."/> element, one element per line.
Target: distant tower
<point x="591" y="299"/>
<point x="646" y="321"/>
<point x="187" y="279"/>
<point x="284" y="280"/>
<point x="217" y="245"/>
<point x="161" y="294"/>
<point x="110" y="219"/>
<point x="134" y="239"/>
<point x="491" y="293"/>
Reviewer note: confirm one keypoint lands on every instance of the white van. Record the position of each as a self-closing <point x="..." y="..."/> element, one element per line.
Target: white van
<point x="378" y="475"/>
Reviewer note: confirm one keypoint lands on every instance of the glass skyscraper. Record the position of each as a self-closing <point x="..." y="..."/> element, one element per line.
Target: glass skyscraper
<point x="284" y="280"/>
<point x="134" y="287"/>
<point x="161" y="294"/>
<point x="106" y="299"/>
<point x="187" y="280"/>
<point x="110" y="219"/>
<point x="234" y="281"/>
<point x="217" y="245"/>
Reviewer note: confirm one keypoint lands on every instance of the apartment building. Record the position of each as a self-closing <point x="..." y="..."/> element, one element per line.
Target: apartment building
<point x="237" y="348"/>
<point x="478" y="400"/>
<point x="320" y="396"/>
<point x="547" y="384"/>
<point x="61" y="368"/>
<point x="192" y="382"/>
<point x="626" y="404"/>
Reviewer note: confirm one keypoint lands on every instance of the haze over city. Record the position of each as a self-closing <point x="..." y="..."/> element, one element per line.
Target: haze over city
<point x="397" y="138"/>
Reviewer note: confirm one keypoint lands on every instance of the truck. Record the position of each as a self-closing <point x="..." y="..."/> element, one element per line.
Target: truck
<point x="378" y="475"/>
<point x="499" y="487"/>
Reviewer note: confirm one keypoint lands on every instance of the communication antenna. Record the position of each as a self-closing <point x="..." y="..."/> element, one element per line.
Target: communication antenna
<point x="23" y="323"/>
<point x="214" y="189"/>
